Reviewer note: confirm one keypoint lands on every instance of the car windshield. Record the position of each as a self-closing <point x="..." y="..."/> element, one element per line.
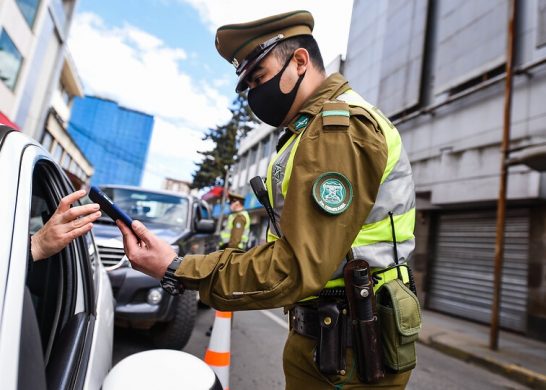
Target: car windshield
<point x="151" y="206"/>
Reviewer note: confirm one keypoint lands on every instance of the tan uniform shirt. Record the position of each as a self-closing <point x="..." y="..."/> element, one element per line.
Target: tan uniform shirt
<point x="314" y="243"/>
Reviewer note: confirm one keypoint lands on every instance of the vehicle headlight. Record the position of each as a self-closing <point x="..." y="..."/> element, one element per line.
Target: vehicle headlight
<point x="155" y="295"/>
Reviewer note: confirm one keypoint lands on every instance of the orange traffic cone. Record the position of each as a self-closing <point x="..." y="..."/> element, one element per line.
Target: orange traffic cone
<point x="218" y="353"/>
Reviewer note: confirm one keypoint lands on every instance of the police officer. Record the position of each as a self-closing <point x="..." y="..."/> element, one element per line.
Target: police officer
<point x="236" y="232"/>
<point x="339" y="183"/>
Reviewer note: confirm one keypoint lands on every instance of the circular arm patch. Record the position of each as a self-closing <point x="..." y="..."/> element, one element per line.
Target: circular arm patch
<point x="333" y="192"/>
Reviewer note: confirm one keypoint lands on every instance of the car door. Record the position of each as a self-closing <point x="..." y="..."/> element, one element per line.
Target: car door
<point x="59" y="334"/>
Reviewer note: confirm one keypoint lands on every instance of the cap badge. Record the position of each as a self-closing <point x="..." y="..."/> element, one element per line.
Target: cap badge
<point x="333" y="192"/>
<point x="235" y="63"/>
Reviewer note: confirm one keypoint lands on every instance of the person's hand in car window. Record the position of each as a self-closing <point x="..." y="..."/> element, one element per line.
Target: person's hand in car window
<point x="65" y="225"/>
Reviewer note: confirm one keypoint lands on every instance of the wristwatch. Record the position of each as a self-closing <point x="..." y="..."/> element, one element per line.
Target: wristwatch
<point x="170" y="282"/>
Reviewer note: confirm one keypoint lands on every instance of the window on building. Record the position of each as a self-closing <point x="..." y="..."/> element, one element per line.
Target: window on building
<point x="47" y="140"/>
<point x="65" y="95"/>
<point x="66" y="161"/>
<point x="242" y="163"/>
<point x="252" y="156"/>
<point x="10" y="60"/>
<point x="57" y="152"/>
<point x="266" y="147"/>
<point x="541" y="30"/>
<point x="28" y="8"/>
<point x="456" y="61"/>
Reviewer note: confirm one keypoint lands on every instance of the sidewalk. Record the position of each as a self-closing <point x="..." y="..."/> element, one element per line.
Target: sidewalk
<point x="518" y="358"/>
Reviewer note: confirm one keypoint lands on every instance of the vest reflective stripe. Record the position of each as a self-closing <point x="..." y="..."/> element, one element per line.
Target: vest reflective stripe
<point x="377" y="232"/>
<point x="278" y="176"/>
<point x="225" y="234"/>
<point x="396" y="193"/>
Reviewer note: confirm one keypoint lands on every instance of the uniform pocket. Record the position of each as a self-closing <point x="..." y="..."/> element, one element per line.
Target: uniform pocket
<point x="400" y="321"/>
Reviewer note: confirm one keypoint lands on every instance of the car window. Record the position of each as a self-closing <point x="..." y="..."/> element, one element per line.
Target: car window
<point x="151" y="207"/>
<point x="205" y="214"/>
<point x="45" y="278"/>
<point x="60" y="287"/>
<point x="55" y="284"/>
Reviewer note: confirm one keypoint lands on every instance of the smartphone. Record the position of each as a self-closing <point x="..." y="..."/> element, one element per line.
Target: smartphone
<point x="109" y="207"/>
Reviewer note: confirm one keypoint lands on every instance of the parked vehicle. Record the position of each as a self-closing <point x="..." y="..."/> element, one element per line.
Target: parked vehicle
<point x="141" y="303"/>
<point x="57" y="314"/>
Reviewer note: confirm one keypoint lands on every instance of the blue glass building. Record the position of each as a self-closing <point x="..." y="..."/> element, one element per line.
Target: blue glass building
<point x="115" y="139"/>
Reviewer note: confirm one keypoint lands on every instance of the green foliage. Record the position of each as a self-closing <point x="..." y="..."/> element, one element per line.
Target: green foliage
<point x="212" y="170"/>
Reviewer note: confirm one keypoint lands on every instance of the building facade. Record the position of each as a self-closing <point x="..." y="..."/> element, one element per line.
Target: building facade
<point x="176" y="185"/>
<point x="55" y="137"/>
<point x="115" y="139"/>
<point x="33" y="36"/>
<point x="436" y="68"/>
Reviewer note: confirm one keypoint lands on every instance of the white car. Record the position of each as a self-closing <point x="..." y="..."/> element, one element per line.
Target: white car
<point x="57" y="315"/>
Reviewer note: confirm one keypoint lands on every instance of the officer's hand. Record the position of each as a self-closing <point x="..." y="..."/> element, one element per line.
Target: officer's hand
<point x="146" y="252"/>
<point x="66" y="224"/>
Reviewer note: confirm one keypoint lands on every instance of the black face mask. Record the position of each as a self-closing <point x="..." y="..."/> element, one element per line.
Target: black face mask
<point x="269" y="103"/>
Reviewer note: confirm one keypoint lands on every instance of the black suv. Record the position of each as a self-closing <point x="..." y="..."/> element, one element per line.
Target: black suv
<point x="140" y="302"/>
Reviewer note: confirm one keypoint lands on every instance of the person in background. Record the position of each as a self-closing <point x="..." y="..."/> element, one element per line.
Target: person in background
<point x="236" y="231"/>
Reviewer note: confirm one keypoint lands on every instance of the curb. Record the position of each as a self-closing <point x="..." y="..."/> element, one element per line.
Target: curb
<point x="514" y="372"/>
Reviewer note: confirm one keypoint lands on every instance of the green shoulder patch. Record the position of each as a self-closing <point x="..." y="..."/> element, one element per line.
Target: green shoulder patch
<point x="336" y="113"/>
<point x="333" y="192"/>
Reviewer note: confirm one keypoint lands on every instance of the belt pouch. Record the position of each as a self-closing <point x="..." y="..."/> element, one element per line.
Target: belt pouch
<point x="332" y="339"/>
<point x="400" y="318"/>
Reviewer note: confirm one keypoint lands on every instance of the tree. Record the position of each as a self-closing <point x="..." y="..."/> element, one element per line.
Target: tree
<point x="212" y="170"/>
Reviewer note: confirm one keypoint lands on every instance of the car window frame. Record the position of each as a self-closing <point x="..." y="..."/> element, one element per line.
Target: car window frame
<point x="58" y="187"/>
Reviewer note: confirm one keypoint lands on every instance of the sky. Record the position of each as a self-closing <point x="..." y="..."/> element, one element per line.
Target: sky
<point x="158" y="57"/>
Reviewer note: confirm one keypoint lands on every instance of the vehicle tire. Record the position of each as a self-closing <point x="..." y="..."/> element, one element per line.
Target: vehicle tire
<point x="176" y="333"/>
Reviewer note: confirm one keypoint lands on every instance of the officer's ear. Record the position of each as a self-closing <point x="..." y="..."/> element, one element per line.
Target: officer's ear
<point x="302" y="58"/>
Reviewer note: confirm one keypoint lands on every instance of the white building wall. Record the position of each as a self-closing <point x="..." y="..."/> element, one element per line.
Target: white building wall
<point x="42" y="47"/>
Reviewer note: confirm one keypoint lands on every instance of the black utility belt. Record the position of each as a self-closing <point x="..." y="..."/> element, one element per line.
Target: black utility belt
<point x="308" y="321"/>
<point x="350" y="317"/>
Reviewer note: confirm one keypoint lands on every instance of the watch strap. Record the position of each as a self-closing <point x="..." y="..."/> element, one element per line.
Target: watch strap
<point x="170" y="282"/>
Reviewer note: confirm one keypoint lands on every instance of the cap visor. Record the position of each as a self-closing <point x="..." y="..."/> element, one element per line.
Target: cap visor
<point x="242" y="82"/>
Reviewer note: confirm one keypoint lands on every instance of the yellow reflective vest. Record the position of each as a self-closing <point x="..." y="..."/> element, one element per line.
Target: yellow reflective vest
<point x="396" y="195"/>
<point x="225" y="234"/>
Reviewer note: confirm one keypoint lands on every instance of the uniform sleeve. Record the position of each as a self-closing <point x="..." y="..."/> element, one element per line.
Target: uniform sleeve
<point x="237" y="231"/>
<point x="314" y="243"/>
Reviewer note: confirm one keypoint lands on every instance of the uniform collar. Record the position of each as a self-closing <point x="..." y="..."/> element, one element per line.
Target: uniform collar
<point x="333" y="86"/>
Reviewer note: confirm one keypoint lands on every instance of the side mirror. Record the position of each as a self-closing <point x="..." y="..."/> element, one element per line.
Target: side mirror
<point x="154" y="369"/>
<point x="205" y="226"/>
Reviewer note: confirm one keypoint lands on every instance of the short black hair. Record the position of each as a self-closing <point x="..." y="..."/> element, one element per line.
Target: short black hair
<point x="286" y="48"/>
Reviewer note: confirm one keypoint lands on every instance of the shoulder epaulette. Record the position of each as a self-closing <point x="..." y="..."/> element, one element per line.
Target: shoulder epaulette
<point x="335" y="114"/>
<point x="359" y="111"/>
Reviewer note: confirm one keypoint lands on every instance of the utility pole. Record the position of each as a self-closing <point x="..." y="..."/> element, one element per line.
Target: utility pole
<point x="501" y="204"/>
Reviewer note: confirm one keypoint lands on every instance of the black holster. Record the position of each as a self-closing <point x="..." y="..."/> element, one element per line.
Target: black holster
<point x="330" y="353"/>
<point x="365" y="325"/>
